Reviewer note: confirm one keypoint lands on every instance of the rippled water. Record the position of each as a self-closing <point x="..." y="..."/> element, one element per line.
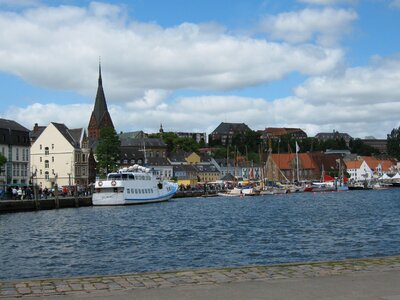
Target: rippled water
<point x="200" y="232"/>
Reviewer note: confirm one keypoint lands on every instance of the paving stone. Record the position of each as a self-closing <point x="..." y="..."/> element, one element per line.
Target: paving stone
<point x="100" y="286"/>
<point x="81" y="286"/>
<point x="63" y="288"/>
<point x="76" y="286"/>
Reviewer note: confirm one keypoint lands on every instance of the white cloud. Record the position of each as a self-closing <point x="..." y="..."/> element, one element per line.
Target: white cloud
<point x="152" y="99"/>
<point x="143" y="64"/>
<point x="395" y="3"/>
<point x="376" y="83"/>
<point x="72" y="115"/>
<point x="58" y="48"/>
<point x="326" y="25"/>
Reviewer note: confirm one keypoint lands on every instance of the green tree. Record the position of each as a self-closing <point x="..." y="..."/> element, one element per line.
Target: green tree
<point x="174" y="142"/>
<point x="108" y="149"/>
<point x="186" y="144"/>
<point x="393" y="143"/>
<point x="359" y="147"/>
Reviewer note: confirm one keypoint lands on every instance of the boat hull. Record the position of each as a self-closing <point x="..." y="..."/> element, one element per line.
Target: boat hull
<point x="109" y="200"/>
<point x="126" y="192"/>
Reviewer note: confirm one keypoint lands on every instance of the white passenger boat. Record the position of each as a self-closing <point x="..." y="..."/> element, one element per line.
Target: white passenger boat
<point x="133" y="185"/>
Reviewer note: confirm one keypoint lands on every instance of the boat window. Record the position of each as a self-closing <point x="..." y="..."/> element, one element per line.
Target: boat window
<point x="131" y="177"/>
<point x="136" y="191"/>
<point x="124" y="176"/>
<point x="115" y="190"/>
<point x="114" y="177"/>
<point x="128" y="191"/>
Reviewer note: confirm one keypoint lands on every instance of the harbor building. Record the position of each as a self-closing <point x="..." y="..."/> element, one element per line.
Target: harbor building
<point x="15" y="147"/>
<point x="60" y="156"/>
<point x="225" y="132"/>
<point x="277" y="132"/>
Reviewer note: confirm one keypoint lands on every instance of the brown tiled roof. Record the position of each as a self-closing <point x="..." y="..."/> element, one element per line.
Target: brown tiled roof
<point x="373" y="163"/>
<point x="284" y="160"/>
<point x="353" y="164"/>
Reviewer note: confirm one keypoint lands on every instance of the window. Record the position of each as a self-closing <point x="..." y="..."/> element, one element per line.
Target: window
<point x="46" y="151"/>
<point x="125" y="161"/>
<point x="40" y="158"/>
<point x="40" y="147"/>
<point x="52" y="159"/>
<point x="83" y="158"/>
<point x="46" y="164"/>
<point x="52" y="146"/>
<point x="17" y="154"/>
<point x="46" y="175"/>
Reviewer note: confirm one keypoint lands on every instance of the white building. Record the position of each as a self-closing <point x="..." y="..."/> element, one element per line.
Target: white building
<point x="60" y="155"/>
<point x="358" y="170"/>
<point x="14" y="146"/>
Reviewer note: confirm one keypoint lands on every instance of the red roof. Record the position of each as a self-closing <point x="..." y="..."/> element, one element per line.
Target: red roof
<point x="284" y="161"/>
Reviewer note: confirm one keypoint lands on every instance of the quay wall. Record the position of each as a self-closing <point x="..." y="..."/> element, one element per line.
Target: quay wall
<point x="7" y="206"/>
<point x="50" y="203"/>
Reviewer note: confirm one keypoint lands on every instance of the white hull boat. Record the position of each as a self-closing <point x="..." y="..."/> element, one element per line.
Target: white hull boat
<point x="133" y="185"/>
<point x="240" y="192"/>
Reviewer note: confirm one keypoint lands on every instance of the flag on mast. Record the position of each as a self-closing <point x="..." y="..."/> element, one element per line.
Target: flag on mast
<point x="297" y="147"/>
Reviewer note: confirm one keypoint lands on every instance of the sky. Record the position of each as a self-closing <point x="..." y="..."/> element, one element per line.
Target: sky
<point x="318" y="65"/>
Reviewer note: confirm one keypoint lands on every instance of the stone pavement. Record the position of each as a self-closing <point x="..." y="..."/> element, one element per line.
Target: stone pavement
<point x="108" y="286"/>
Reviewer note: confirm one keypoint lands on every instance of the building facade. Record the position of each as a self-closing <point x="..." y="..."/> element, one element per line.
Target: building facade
<point x="277" y="132"/>
<point x="358" y="170"/>
<point x="15" y="147"/>
<point x="60" y="156"/>
<point x="335" y="135"/>
<point x="224" y="133"/>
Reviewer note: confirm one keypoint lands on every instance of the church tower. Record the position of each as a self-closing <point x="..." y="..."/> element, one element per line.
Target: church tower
<point x="100" y="117"/>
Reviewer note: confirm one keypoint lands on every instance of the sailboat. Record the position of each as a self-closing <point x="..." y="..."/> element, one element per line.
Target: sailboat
<point x="327" y="184"/>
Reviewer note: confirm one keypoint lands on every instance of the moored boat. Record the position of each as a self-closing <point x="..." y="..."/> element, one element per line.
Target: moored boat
<point x="240" y="192"/>
<point x="133" y="185"/>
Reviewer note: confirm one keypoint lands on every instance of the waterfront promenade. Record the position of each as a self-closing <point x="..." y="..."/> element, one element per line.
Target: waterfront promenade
<point x="373" y="278"/>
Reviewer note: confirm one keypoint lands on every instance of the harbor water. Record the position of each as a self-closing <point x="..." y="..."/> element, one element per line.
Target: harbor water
<point x="199" y="233"/>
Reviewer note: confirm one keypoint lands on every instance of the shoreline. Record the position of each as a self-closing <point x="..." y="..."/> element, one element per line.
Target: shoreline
<point x="86" y="285"/>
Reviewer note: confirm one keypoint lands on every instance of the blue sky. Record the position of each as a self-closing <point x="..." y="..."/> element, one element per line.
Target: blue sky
<point x="320" y="65"/>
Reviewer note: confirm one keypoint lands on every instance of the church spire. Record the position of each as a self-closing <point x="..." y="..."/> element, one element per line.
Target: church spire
<point x="161" y="128"/>
<point x="100" y="117"/>
<point x="100" y="80"/>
